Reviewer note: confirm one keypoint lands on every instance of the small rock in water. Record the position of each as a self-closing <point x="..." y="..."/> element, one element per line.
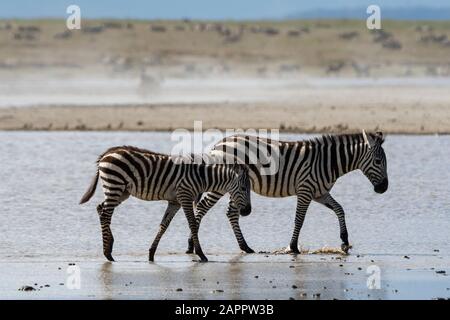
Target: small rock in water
<point x="47" y="286"/>
<point x="441" y="271"/>
<point x="294" y="286"/>
<point x="217" y="291"/>
<point x="316" y="295"/>
<point x="359" y="268"/>
<point x="27" y="288"/>
<point x="179" y="290"/>
<point x="256" y="277"/>
<point x="406" y="257"/>
<point x="290" y="298"/>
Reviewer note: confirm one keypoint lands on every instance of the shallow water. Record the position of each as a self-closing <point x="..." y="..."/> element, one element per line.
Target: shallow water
<point x="44" y="174"/>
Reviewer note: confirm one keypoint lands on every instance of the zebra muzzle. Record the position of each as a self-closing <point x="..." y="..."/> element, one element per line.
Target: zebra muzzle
<point x="382" y="186"/>
<point x="246" y="211"/>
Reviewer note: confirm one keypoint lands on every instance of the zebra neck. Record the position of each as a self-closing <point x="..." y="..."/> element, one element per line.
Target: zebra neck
<point x="355" y="152"/>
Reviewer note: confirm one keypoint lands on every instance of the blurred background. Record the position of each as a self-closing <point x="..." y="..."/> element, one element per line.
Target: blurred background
<point x="269" y="60"/>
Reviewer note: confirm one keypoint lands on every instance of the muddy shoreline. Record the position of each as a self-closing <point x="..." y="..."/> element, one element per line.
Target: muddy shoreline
<point x="314" y="117"/>
<point x="238" y="276"/>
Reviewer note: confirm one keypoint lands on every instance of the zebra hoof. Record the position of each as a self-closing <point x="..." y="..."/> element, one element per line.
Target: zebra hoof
<point x="292" y="250"/>
<point x="109" y="257"/>
<point x="248" y="250"/>
<point x="345" y="248"/>
<point x="151" y="255"/>
<point x="203" y="259"/>
<point x="190" y="251"/>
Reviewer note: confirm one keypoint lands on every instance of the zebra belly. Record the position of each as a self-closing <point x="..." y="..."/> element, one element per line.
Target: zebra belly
<point x="154" y="194"/>
<point x="266" y="186"/>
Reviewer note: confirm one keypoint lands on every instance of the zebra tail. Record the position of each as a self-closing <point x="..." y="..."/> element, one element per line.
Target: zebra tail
<point x="90" y="192"/>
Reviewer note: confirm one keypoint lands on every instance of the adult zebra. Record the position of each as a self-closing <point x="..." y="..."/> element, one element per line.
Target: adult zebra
<point x="147" y="175"/>
<point x="307" y="169"/>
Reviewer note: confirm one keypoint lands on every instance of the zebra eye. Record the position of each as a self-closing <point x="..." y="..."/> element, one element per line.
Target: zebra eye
<point x="377" y="162"/>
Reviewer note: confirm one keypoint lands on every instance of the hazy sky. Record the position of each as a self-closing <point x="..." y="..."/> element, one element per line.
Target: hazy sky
<point x="199" y="9"/>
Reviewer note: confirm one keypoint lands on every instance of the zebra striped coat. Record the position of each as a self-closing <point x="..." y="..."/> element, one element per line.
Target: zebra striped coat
<point x="147" y="175"/>
<point x="307" y="169"/>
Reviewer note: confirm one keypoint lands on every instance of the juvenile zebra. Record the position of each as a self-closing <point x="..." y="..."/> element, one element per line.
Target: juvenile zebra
<point x="147" y="175"/>
<point x="307" y="169"/>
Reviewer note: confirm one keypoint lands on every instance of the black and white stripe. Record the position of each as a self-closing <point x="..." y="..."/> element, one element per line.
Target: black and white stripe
<point x="147" y="175"/>
<point x="307" y="169"/>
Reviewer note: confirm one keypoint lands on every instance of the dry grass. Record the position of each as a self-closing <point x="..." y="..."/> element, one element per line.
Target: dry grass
<point x="134" y="45"/>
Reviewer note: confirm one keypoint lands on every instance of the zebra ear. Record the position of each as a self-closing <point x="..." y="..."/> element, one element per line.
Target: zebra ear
<point x="368" y="139"/>
<point x="380" y="136"/>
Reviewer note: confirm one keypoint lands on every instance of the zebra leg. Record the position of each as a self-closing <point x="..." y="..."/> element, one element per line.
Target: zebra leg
<point x="203" y="207"/>
<point x="105" y="215"/>
<point x="303" y="201"/>
<point x="233" y="217"/>
<point x="105" y="211"/>
<point x="190" y="216"/>
<point x="328" y="201"/>
<point x="171" y="210"/>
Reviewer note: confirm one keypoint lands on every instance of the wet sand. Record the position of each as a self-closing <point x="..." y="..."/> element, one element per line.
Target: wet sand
<point x="238" y="276"/>
<point x="420" y="110"/>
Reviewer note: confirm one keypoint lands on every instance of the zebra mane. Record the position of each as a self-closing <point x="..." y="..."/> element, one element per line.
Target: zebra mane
<point x="352" y="136"/>
<point x="327" y="136"/>
<point x="131" y="148"/>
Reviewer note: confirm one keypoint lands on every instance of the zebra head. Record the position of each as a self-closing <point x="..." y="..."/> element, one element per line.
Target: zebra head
<point x="240" y="189"/>
<point x="374" y="164"/>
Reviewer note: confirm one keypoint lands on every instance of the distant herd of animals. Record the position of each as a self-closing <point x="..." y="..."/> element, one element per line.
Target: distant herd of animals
<point x="307" y="169"/>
